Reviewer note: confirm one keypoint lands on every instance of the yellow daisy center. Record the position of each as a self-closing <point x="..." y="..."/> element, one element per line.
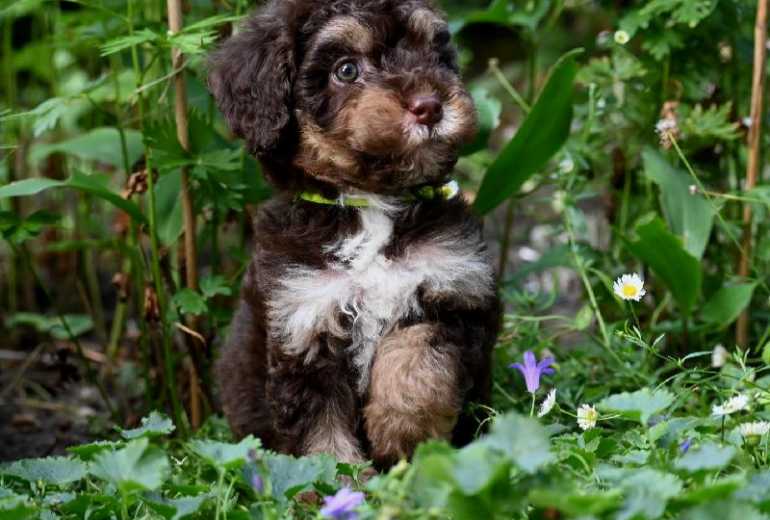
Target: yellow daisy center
<point x="629" y="290"/>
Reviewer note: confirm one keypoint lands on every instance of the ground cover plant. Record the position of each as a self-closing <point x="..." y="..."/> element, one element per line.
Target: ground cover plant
<point x="619" y="172"/>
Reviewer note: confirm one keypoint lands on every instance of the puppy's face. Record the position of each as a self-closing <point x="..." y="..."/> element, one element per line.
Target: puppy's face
<point x="373" y="99"/>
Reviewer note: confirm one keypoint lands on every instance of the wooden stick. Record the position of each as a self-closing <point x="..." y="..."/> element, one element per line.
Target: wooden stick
<point x="183" y="134"/>
<point x="752" y="169"/>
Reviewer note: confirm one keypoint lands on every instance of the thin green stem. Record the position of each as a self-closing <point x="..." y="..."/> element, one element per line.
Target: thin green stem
<point x="494" y="67"/>
<point x="169" y="365"/>
<point x="532" y="407"/>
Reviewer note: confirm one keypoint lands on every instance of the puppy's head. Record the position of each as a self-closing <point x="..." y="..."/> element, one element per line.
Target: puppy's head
<point x="357" y="94"/>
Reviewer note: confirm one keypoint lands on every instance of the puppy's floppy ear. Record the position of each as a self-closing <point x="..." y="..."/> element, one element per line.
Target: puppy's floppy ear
<point x="252" y="74"/>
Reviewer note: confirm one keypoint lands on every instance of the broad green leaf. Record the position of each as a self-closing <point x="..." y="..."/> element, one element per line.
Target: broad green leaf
<point x="689" y="216"/>
<point x="176" y="508"/>
<point x="95" y="185"/>
<point x="709" y="456"/>
<point x="727" y="303"/>
<point x="662" y="252"/>
<point x="190" y="302"/>
<point x="646" y="491"/>
<point x="100" y="145"/>
<point x="290" y="475"/>
<point x="639" y="405"/>
<point x="756" y="491"/>
<point x="540" y="136"/>
<point x="522" y="439"/>
<point x="17" y="507"/>
<point x="26" y="187"/>
<point x="137" y="466"/>
<point x="51" y="470"/>
<point x="154" y="425"/>
<point x="575" y="503"/>
<point x="723" y="510"/>
<point x="90" y="450"/>
<point x="224" y="454"/>
<point x="169" y="207"/>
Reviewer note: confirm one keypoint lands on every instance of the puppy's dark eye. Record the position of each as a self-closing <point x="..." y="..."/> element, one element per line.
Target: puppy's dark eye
<point x="347" y="72"/>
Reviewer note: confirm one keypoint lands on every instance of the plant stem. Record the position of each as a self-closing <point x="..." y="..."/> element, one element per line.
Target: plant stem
<point x="753" y="166"/>
<point x="168" y="358"/>
<point x="494" y="67"/>
<point x="532" y="407"/>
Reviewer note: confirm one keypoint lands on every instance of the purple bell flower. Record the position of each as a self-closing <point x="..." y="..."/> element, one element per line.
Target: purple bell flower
<point x="342" y="505"/>
<point x="532" y="370"/>
<point x="685" y="446"/>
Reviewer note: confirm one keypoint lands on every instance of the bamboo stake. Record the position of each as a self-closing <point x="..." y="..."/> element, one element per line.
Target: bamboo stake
<point x="752" y="169"/>
<point x="183" y="134"/>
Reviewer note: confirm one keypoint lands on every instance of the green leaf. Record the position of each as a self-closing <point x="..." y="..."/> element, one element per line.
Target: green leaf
<point x="189" y="302"/>
<point x="664" y="254"/>
<point x="26" y="187"/>
<point x="290" y="475"/>
<point x="540" y="136"/>
<point x="639" y="405"/>
<point x="127" y="41"/>
<point x="646" y="491"/>
<point x="90" y="450"/>
<point x="100" y="145"/>
<point x="137" y="466"/>
<point x="176" y="508"/>
<point x="51" y="470"/>
<point x="689" y="216"/>
<point x="169" y="207"/>
<point x="522" y="439"/>
<point x="78" y="324"/>
<point x="727" y="303"/>
<point x="92" y="184"/>
<point x="17" y="507"/>
<point x="154" y="425"/>
<point x="223" y="454"/>
<point x="17" y="230"/>
<point x="723" y="510"/>
<point x="575" y="503"/>
<point x="213" y="285"/>
<point x="709" y="456"/>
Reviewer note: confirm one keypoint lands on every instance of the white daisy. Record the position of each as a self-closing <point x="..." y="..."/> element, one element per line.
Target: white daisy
<point x="547" y="404"/>
<point x="719" y="356"/>
<point x="732" y="405"/>
<point x="621" y="37"/>
<point x="754" y="429"/>
<point x="587" y="416"/>
<point x="629" y="287"/>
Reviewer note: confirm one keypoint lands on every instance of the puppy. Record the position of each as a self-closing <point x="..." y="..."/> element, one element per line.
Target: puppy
<point x="369" y="309"/>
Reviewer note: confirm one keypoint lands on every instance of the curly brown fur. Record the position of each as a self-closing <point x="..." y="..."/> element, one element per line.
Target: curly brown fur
<point x="361" y="331"/>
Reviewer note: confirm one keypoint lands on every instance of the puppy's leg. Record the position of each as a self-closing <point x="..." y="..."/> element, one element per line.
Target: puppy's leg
<point x="241" y="372"/>
<point x="314" y="405"/>
<point x="414" y="392"/>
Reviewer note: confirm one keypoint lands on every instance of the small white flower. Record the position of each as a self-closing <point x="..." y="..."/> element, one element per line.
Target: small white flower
<point x="587" y="416"/>
<point x="621" y="37"/>
<point x="693" y="189"/>
<point x="667" y="124"/>
<point x="746" y="122"/>
<point x="732" y="405"/>
<point x="629" y="287"/>
<point x="754" y="429"/>
<point x="719" y="356"/>
<point x="547" y="405"/>
<point x="567" y="165"/>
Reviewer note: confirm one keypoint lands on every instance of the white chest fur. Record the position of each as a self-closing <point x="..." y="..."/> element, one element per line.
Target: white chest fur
<point x="373" y="291"/>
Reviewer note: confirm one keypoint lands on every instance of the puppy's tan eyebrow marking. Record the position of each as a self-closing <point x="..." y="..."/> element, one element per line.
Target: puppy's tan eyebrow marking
<point x="349" y="31"/>
<point x="425" y="24"/>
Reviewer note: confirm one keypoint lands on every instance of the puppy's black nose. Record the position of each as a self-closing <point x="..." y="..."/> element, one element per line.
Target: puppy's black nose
<point x="427" y="109"/>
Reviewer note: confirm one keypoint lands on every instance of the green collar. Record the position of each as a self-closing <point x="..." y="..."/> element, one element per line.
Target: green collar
<point x="446" y="191"/>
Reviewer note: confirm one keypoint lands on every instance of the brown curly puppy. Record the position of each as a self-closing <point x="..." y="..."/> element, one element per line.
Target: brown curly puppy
<point x="369" y="309"/>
